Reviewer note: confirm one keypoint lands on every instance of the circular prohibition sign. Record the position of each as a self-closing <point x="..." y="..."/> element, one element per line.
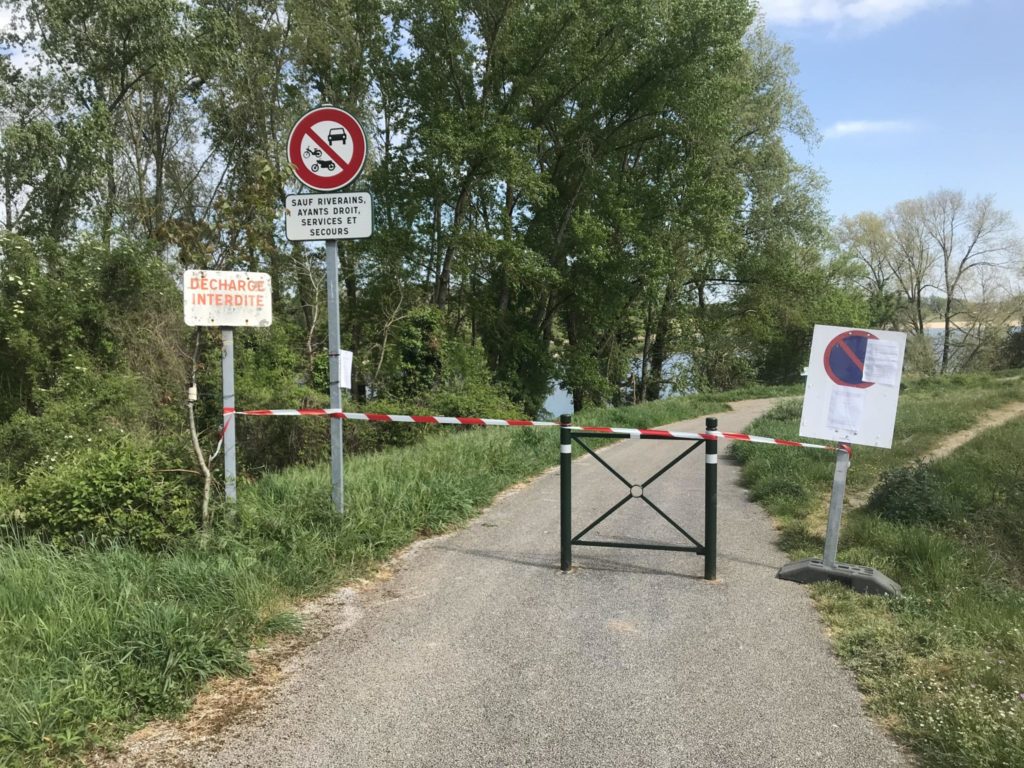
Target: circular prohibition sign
<point x="327" y="149"/>
<point x="844" y="359"/>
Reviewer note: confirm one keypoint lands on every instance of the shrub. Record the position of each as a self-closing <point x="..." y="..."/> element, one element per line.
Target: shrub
<point x="6" y="506"/>
<point x="464" y="387"/>
<point x="266" y="362"/>
<point x="88" y="406"/>
<point x="112" y="493"/>
<point x="1012" y="349"/>
<point x="911" y="494"/>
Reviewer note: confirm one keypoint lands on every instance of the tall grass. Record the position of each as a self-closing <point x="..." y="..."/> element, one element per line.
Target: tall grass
<point x="944" y="665"/>
<point x="95" y="637"/>
<point x="97" y="641"/>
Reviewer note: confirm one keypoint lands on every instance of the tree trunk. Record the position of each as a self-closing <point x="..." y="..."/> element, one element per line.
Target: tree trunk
<point x="659" y="349"/>
<point x="8" y="203"/>
<point x="572" y="335"/>
<point x="946" y="333"/>
<point x="645" y="357"/>
<point x="108" y="204"/>
<point x="442" y="288"/>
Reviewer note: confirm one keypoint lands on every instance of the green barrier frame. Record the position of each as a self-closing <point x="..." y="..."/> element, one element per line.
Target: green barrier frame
<point x="708" y="550"/>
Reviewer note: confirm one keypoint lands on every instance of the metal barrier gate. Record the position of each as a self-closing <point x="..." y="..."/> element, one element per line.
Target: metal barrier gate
<point x="709" y="549"/>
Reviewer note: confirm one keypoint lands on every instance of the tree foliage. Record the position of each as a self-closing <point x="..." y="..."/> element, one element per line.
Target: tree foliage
<point x="598" y="194"/>
<point x="946" y="260"/>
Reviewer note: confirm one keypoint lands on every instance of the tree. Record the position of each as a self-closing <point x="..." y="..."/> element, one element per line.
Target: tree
<point x="965" y="237"/>
<point x="947" y="256"/>
<point x="866" y="240"/>
<point x="912" y="262"/>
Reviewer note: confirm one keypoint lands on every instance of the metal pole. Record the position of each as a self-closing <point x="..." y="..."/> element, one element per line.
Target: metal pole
<point x="710" y="502"/>
<point x="835" y="506"/>
<point x="334" y="371"/>
<point x="227" y="367"/>
<point x="565" y="473"/>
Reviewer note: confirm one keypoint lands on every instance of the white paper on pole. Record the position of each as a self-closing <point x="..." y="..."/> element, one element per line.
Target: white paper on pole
<point x="882" y="363"/>
<point x="345" y="361"/>
<point x="845" y="410"/>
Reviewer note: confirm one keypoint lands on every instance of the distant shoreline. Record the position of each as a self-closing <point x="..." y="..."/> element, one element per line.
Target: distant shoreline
<point x="938" y="325"/>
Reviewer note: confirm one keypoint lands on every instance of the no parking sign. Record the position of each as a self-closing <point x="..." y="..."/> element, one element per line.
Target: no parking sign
<point x="853" y="385"/>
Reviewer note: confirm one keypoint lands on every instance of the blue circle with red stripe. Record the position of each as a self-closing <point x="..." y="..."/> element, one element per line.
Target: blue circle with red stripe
<point x="844" y="359"/>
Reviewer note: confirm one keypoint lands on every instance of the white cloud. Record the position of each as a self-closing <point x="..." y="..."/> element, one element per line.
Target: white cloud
<point x="875" y="13"/>
<point x="858" y="127"/>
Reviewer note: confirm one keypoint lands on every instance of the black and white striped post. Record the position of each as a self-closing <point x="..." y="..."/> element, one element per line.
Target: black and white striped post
<point x="711" y="502"/>
<point x="565" y="472"/>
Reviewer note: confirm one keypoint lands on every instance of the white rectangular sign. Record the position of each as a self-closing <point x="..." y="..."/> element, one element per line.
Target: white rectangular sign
<point x="329" y="216"/>
<point x="227" y="299"/>
<point x="853" y="385"/>
<point x="346" y="368"/>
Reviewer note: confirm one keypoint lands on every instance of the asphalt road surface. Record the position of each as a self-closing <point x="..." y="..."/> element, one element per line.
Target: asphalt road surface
<point x="479" y="652"/>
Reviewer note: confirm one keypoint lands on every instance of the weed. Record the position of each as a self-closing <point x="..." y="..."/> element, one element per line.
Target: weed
<point x="912" y="494"/>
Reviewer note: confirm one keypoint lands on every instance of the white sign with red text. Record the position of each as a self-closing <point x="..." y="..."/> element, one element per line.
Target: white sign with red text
<point x="227" y="299"/>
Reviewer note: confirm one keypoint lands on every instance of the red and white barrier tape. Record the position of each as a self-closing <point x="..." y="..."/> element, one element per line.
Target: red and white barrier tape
<point x="341" y="414"/>
<point x="716" y="435"/>
<point x="476" y="422"/>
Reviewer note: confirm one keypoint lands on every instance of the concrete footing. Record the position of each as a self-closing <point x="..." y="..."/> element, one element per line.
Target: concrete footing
<point x="857" y="577"/>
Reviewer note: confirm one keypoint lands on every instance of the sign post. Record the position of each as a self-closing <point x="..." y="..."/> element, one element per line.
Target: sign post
<point x="334" y="374"/>
<point x="835" y="505"/>
<point x="227" y="372"/>
<point x="227" y="300"/>
<point x="851" y="397"/>
<point x="327" y="151"/>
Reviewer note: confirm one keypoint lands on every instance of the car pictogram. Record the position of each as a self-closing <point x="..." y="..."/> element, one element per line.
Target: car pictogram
<point x="337" y="134"/>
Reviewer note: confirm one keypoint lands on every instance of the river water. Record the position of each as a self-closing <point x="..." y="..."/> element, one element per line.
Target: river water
<point x="559" y="401"/>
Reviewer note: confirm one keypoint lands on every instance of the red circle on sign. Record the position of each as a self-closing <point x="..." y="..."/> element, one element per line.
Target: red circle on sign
<point x="844" y="359"/>
<point x="327" y="149"/>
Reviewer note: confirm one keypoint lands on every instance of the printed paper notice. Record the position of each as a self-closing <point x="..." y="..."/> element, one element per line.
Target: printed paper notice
<point x="346" y="368"/>
<point x="882" y="363"/>
<point x="845" y="410"/>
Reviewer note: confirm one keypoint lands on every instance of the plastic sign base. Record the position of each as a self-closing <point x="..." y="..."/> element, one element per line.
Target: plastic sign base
<point x="859" y="578"/>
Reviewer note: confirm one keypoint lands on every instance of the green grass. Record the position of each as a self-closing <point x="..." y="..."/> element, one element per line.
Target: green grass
<point x="944" y="665"/>
<point x="98" y="637"/>
<point x="95" y="642"/>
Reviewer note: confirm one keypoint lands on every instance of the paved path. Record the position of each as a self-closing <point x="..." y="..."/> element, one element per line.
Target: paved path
<point x="479" y="653"/>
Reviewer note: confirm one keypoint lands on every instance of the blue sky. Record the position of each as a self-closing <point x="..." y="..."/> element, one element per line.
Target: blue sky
<point x="911" y="96"/>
